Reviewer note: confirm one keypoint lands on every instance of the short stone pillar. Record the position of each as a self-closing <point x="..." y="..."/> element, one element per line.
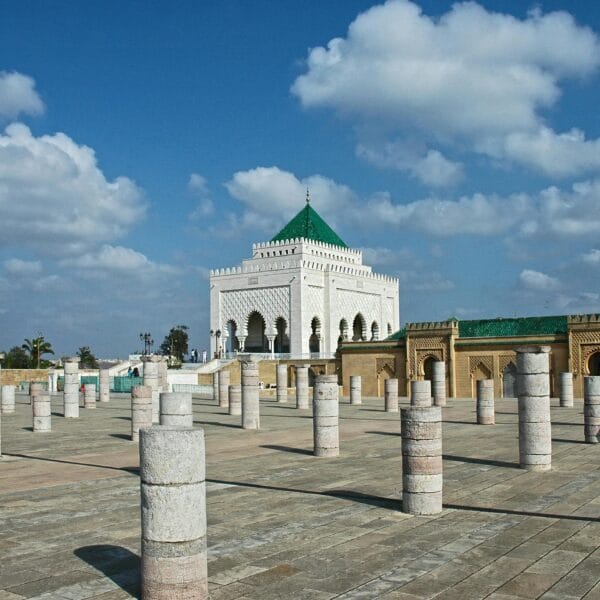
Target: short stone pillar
<point x="438" y="383"/>
<point x="35" y="389"/>
<point x="422" y="478"/>
<point x="282" y="383"/>
<point x="390" y="393"/>
<point x="420" y="393"/>
<point x="302" y="387"/>
<point x="326" y="416"/>
<point x="163" y="370"/>
<point x="42" y="413"/>
<point x="215" y="383"/>
<point x="7" y="402"/>
<point x="152" y="380"/>
<point x="250" y="395"/>
<point x="141" y="410"/>
<point x="235" y="399"/>
<point x="356" y="389"/>
<point x="176" y="409"/>
<point x="173" y="499"/>
<point x="591" y="409"/>
<point x="71" y="388"/>
<point x="89" y="396"/>
<point x="485" y="402"/>
<point x="566" y="389"/>
<point x="224" y="379"/>
<point x="533" y="391"/>
<point x="104" y="383"/>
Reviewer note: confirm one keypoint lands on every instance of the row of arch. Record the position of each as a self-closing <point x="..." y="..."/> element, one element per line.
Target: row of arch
<point x="254" y="337"/>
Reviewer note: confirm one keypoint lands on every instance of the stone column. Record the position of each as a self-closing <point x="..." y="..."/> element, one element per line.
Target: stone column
<point x="141" y="410"/>
<point x="42" y="413"/>
<point x="173" y="499"/>
<point x="420" y="393"/>
<point x="104" y="382"/>
<point x="235" y="399"/>
<point x="533" y="391"/>
<point x="250" y="395"/>
<point x="390" y="392"/>
<point x="485" y="402"/>
<point x="71" y="388"/>
<point x="152" y="380"/>
<point x="422" y="478"/>
<point x="302" y="386"/>
<point x="163" y="367"/>
<point x="224" y="378"/>
<point x="326" y="416"/>
<point x="356" y="389"/>
<point x="176" y="409"/>
<point x="591" y="409"/>
<point x="566" y="389"/>
<point x="35" y="389"/>
<point x="215" y="378"/>
<point x="89" y="396"/>
<point x="282" y="383"/>
<point x="438" y="383"/>
<point x="8" y="399"/>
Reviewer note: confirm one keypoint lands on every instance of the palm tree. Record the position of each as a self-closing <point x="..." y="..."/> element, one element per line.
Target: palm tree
<point x="36" y="348"/>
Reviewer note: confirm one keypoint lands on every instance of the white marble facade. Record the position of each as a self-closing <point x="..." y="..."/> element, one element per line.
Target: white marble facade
<point x="299" y="297"/>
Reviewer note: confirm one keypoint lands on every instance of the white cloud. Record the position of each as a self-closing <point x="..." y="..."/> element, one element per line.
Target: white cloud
<point x="537" y="281"/>
<point x="16" y="266"/>
<point x="424" y="281"/>
<point x="470" y="79"/>
<point x="54" y="197"/>
<point x="18" y="95"/>
<point x="198" y="186"/>
<point x="592" y="257"/>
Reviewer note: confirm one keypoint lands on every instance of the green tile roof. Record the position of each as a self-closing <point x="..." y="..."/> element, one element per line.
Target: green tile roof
<point x="309" y="225"/>
<point x="512" y="327"/>
<point x="399" y="335"/>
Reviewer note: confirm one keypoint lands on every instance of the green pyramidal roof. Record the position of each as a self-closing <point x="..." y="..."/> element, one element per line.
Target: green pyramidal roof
<point x="309" y="225"/>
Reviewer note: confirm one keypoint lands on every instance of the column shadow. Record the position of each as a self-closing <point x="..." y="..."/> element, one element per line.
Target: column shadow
<point x="119" y="564"/>
<point x="288" y="449"/>
<point x="481" y="461"/>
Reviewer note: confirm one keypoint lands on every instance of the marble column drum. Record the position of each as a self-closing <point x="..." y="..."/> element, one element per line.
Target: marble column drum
<point x="173" y="507"/>
<point x="326" y="416"/>
<point x="235" y="399"/>
<point x="89" y="396"/>
<point x="224" y="379"/>
<point x="42" y="413"/>
<point x="355" y="389"/>
<point x="71" y="388"/>
<point x="438" y="383"/>
<point x="141" y="410"/>
<point x="151" y="378"/>
<point x="485" y="402"/>
<point x="422" y="478"/>
<point x="566" y="389"/>
<point x="302" y="387"/>
<point x="176" y="409"/>
<point x="35" y="389"/>
<point x="420" y="393"/>
<point x="250" y="396"/>
<point x="591" y="409"/>
<point x="7" y="400"/>
<point x="533" y="391"/>
<point x="390" y="395"/>
<point x="282" y="383"/>
<point x="104" y="383"/>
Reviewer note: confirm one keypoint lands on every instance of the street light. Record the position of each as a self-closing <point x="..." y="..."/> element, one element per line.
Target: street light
<point x="148" y="341"/>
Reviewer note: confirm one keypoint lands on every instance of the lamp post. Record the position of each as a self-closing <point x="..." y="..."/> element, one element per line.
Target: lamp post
<point x="2" y="357"/>
<point x="218" y="337"/>
<point x="148" y="341"/>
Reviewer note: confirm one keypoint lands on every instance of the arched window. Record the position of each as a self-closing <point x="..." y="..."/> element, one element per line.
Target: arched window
<point x="314" y="342"/>
<point x="374" y="331"/>
<point x="232" y="344"/>
<point x="359" y="329"/>
<point x="282" y="341"/>
<point x="256" y="340"/>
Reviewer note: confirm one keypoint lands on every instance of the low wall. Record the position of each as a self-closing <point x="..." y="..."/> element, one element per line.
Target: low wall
<point x="16" y="376"/>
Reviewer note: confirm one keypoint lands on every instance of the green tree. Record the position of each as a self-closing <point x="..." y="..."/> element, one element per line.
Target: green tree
<point x="176" y="342"/>
<point x="36" y="348"/>
<point x="86" y="359"/>
<point x="16" y="358"/>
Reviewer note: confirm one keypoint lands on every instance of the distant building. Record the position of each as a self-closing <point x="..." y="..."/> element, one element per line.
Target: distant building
<point x="301" y="294"/>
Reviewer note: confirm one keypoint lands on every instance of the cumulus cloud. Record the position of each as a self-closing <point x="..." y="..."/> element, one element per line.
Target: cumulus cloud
<point x="592" y="257"/>
<point x="16" y="266"/>
<point x="537" y="281"/>
<point x="54" y="196"/>
<point x="198" y="186"/>
<point x="471" y="78"/>
<point x="18" y="96"/>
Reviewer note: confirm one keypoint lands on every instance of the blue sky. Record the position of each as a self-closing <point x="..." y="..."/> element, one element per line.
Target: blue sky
<point x="143" y="143"/>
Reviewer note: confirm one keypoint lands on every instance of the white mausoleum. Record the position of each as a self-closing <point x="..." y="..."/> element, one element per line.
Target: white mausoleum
<point x="300" y="294"/>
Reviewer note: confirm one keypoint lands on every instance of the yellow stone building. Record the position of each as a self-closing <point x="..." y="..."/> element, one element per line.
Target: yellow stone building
<point x="472" y="350"/>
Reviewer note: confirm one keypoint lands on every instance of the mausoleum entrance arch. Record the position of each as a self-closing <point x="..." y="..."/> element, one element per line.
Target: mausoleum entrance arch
<point x="594" y="364"/>
<point x="428" y="368"/>
<point x="359" y="329"/>
<point x="232" y="343"/>
<point x="282" y="340"/>
<point x="374" y="331"/>
<point x="480" y="372"/>
<point x="256" y="341"/>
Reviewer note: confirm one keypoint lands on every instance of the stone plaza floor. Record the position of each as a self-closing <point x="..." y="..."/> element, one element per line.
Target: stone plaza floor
<point x="283" y="524"/>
